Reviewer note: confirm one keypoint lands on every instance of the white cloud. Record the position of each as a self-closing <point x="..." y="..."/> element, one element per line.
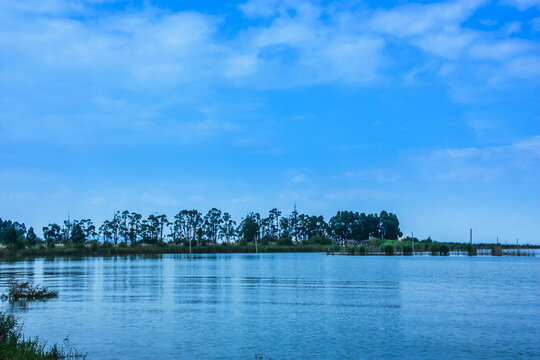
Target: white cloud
<point x="132" y="70"/>
<point x="517" y="162"/>
<point x="522" y="4"/>
<point x="299" y="178"/>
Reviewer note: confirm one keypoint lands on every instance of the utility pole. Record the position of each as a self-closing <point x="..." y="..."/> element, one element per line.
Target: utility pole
<point x="412" y="241"/>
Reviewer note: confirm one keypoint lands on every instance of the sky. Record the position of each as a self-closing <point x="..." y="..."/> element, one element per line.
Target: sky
<point x="428" y="109"/>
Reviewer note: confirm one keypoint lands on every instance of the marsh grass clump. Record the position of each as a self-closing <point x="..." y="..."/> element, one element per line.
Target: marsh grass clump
<point x="472" y="250"/>
<point x="407" y="249"/>
<point x="26" y="291"/>
<point x="496" y="250"/>
<point x="13" y="345"/>
<point x="388" y="249"/>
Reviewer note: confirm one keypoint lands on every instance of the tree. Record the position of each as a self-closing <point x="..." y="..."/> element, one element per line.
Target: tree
<point x="31" y="238"/>
<point x="52" y="234"/>
<point x="389" y="226"/>
<point x="77" y="234"/>
<point x="249" y="227"/>
<point x="88" y="228"/>
<point x="134" y="227"/>
<point x="227" y="230"/>
<point x="11" y="236"/>
<point x="212" y="223"/>
<point x="106" y="230"/>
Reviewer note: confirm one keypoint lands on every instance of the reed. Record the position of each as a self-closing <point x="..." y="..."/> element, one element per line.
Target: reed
<point x="518" y="252"/>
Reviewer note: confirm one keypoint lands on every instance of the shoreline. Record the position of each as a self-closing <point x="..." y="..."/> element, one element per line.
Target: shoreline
<point x="389" y="248"/>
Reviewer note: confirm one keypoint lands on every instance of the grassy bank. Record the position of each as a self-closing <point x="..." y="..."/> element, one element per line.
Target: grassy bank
<point x="14" y="346"/>
<point x="375" y="247"/>
<point x="107" y="250"/>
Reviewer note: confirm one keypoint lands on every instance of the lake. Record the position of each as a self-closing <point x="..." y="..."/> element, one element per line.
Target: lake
<point x="286" y="306"/>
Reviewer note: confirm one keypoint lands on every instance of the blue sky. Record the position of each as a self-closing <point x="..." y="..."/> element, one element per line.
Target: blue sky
<point x="430" y="109"/>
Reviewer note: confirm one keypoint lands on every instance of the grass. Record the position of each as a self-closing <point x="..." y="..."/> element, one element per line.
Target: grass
<point x="14" y="346"/>
<point x="26" y="291"/>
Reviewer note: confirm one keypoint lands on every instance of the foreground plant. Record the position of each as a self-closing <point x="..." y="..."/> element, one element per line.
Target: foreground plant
<point x="14" y="346"/>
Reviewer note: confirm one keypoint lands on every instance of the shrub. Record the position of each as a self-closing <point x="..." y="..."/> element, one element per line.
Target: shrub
<point x="362" y="250"/>
<point x="388" y="250"/>
<point x="285" y="241"/>
<point x="27" y="291"/>
<point x="319" y="239"/>
<point x="471" y="250"/>
<point x="444" y="249"/>
<point x="374" y="242"/>
<point x="407" y="250"/>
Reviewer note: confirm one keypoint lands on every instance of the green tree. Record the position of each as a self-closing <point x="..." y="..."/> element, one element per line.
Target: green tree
<point x="389" y="226"/>
<point x="11" y="236"/>
<point x="52" y="234"/>
<point x="77" y="234"/>
<point x="249" y="228"/>
<point x="31" y="238"/>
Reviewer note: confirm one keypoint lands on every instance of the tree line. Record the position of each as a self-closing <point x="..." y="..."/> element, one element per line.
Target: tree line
<point x="196" y="228"/>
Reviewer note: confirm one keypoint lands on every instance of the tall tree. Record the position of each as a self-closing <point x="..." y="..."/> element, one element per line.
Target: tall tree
<point x="31" y="238"/>
<point x="227" y="230"/>
<point x="77" y="234"/>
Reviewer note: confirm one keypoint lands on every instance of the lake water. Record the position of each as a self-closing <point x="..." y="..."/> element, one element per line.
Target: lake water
<point x="286" y="306"/>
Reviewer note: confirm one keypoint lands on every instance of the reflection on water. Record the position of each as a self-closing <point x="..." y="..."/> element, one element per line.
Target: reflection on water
<point x="285" y="306"/>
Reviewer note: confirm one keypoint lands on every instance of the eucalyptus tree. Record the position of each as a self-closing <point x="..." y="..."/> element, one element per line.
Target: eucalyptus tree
<point x="227" y="229"/>
<point x="179" y="225"/>
<point x="88" y="228"/>
<point x="285" y="226"/>
<point x="134" y="227"/>
<point x="249" y="228"/>
<point x="77" y="235"/>
<point x="212" y="223"/>
<point x="162" y="224"/>
<point x="106" y="230"/>
<point x="31" y="238"/>
<point x="152" y="226"/>
<point x="194" y="222"/>
<point x="293" y="223"/>
<point x="123" y="225"/>
<point x="314" y="225"/>
<point x="66" y="230"/>
<point x="274" y="223"/>
<point x="265" y="227"/>
<point x="52" y="234"/>
<point x="340" y="226"/>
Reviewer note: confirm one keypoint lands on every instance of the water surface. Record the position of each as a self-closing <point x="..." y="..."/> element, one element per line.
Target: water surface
<point x="286" y="306"/>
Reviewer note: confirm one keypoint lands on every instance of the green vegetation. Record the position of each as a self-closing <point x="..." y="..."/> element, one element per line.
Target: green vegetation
<point x="192" y="232"/>
<point x="26" y="291"/>
<point x="196" y="232"/>
<point x="14" y="346"/>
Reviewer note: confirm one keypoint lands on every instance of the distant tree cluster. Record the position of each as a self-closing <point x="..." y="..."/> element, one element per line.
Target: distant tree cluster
<point x="14" y="234"/>
<point x="130" y="228"/>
